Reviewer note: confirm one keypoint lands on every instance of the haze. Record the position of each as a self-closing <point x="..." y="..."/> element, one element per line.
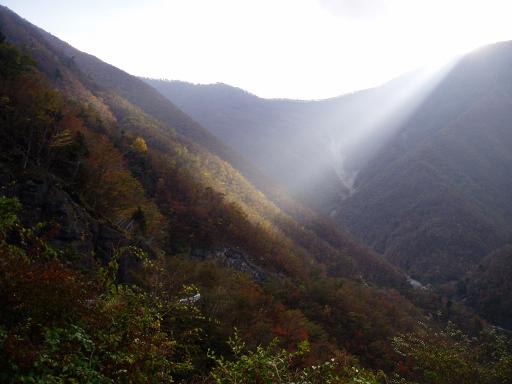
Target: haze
<point x="307" y="49"/>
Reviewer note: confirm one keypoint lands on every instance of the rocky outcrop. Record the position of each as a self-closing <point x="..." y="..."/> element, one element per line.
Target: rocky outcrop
<point x="233" y="258"/>
<point x="69" y="225"/>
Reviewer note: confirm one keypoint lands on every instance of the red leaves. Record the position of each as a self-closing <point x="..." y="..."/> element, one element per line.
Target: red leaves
<point x="48" y="293"/>
<point x="20" y="351"/>
<point x="279" y="331"/>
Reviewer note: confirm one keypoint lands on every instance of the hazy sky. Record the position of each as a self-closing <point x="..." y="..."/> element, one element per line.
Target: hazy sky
<point x="274" y="48"/>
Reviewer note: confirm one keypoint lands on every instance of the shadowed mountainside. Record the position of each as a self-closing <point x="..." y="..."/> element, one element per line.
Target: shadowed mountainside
<point x="435" y="200"/>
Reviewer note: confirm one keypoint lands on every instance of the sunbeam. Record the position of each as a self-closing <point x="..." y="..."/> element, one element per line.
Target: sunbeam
<point x="358" y="128"/>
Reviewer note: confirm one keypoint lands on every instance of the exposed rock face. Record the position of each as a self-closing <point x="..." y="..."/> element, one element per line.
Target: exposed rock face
<point x="70" y="225"/>
<point x="232" y="258"/>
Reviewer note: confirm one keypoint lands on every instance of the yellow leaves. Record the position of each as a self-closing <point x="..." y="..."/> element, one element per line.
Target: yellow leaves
<point x="155" y="220"/>
<point x="111" y="188"/>
<point x="140" y="146"/>
<point x="61" y="139"/>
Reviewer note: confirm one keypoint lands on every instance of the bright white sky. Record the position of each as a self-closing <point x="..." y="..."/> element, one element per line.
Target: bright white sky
<point x="302" y="49"/>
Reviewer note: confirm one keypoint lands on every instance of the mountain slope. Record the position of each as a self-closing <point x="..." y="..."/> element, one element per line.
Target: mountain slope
<point x="288" y="216"/>
<point x="98" y="76"/>
<point x="274" y="135"/>
<point x="425" y="157"/>
<point x="101" y="94"/>
<point x="129" y="253"/>
<point x="418" y="169"/>
<point x="487" y="287"/>
<point x="268" y="269"/>
<point x="435" y="200"/>
<point x="314" y="149"/>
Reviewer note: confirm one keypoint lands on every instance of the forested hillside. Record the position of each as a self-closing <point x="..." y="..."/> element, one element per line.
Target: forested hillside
<point x="313" y="149"/>
<point x="436" y="200"/>
<point x="487" y="287"/>
<point x="275" y="135"/>
<point x="427" y="158"/>
<point x="110" y="109"/>
<point x="131" y="253"/>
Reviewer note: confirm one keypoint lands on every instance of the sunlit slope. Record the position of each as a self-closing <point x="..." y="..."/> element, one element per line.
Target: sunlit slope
<point x="302" y="236"/>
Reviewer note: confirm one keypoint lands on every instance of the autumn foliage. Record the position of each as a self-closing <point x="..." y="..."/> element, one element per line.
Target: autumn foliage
<point x="152" y="310"/>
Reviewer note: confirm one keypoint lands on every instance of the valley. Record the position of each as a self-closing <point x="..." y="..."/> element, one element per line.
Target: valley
<point x="160" y="231"/>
